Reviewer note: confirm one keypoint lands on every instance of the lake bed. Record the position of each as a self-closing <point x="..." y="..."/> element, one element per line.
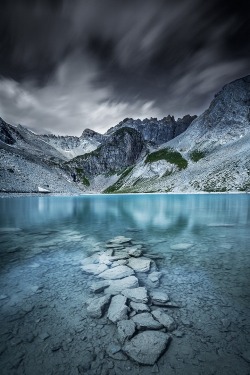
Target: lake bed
<point x="203" y="241"/>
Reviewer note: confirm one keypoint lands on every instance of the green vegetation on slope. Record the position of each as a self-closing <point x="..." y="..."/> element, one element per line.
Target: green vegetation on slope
<point x="82" y="177"/>
<point x="196" y="155"/>
<point x="171" y="156"/>
<point x="118" y="184"/>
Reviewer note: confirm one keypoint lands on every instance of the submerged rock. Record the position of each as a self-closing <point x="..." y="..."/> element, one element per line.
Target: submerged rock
<point x="120" y="262"/>
<point x="146" y="347"/>
<point x="181" y="246"/>
<point x="125" y="329"/>
<point x="118" y="272"/>
<point x="146" y="321"/>
<point x="99" y="286"/>
<point x="136" y="294"/>
<point x="95" y="269"/>
<point x="154" y="277"/>
<point x="118" y="310"/>
<point x="117" y="286"/>
<point x="135" y="251"/>
<point x="97" y="306"/>
<point x="139" y="307"/>
<point x="119" y="240"/>
<point x="139" y="264"/>
<point x="166" y="320"/>
<point x="159" y="298"/>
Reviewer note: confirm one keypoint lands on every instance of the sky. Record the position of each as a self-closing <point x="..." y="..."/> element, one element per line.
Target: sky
<point x="67" y="65"/>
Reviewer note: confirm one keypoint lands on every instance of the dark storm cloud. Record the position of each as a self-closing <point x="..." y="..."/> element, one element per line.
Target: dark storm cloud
<point x="91" y="63"/>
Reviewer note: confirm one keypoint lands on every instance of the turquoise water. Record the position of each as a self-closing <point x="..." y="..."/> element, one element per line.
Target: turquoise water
<point x="44" y="238"/>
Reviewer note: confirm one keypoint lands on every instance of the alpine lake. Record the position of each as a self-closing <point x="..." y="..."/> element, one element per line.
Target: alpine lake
<point x="125" y="284"/>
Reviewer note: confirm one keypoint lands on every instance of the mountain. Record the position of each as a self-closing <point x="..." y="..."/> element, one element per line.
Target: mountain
<point x="206" y="153"/>
<point x="213" y="154"/>
<point x="30" y="162"/>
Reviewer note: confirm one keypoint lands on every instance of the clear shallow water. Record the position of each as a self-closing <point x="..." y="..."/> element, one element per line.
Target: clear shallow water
<point x="43" y="240"/>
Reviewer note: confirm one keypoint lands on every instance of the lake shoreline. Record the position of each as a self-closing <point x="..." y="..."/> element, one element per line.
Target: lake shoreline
<point x="39" y="194"/>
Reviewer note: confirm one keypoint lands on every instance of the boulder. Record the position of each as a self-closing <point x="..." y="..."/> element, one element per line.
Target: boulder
<point x="118" y="310"/>
<point x="146" y="347"/>
<point x="125" y="329"/>
<point x="136" y="294"/>
<point x="96" y="306"/>
<point x="139" y="264"/>
<point x="159" y="298"/>
<point x="118" y="272"/>
<point x="166" y="320"/>
<point x="117" y="286"/>
<point x="146" y="321"/>
<point x="139" y="307"/>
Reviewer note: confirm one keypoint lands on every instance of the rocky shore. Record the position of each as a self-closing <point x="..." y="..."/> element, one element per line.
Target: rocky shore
<point x="125" y="288"/>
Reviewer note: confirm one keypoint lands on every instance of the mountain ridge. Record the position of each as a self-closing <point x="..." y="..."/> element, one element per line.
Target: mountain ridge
<point x="210" y="152"/>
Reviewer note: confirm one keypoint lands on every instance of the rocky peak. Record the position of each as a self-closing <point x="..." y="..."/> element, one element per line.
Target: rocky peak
<point x="121" y="149"/>
<point x="89" y="133"/>
<point x="226" y="120"/>
<point x="156" y="131"/>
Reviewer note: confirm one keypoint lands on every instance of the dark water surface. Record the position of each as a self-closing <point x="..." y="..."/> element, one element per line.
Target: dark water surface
<point x="44" y="325"/>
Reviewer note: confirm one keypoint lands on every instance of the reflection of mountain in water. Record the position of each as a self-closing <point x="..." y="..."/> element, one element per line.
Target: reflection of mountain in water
<point x="173" y="213"/>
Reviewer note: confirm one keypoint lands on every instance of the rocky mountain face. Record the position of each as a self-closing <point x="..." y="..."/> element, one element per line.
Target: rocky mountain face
<point x="74" y="164"/>
<point x="206" y="153"/>
<point x="213" y="154"/>
<point x="156" y="131"/>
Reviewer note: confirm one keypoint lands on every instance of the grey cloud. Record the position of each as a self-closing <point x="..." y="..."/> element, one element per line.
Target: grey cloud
<point x="76" y="64"/>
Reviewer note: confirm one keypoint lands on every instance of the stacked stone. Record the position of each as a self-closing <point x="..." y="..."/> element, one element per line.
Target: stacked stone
<point x="143" y="325"/>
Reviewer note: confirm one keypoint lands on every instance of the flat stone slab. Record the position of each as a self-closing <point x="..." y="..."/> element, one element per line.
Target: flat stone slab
<point x="134" y="251"/>
<point x="117" y="286"/>
<point x="120" y="262"/>
<point x="97" y="306"/>
<point x="94" y="269"/>
<point x="166" y="320"/>
<point x="181" y="246"/>
<point x="146" y="321"/>
<point x="118" y="272"/>
<point x="93" y="259"/>
<point x="104" y="259"/>
<point x="113" y="246"/>
<point x="139" y="264"/>
<point x="119" y="256"/>
<point x="118" y="309"/>
<point x="99" y="286"/>
<point x="146" y="347"/>
<point x="159" y="298"/>
<point x="136" y="294"/>
<point x="119" y="240"/>
<point x="125" y="330"/>
<point x="154" y="277"/>
<point x="139" y="307"/>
